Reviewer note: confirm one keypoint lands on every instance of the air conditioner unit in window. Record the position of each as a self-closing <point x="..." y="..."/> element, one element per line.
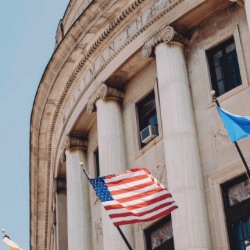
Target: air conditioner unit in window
<point x="148" y="134"/>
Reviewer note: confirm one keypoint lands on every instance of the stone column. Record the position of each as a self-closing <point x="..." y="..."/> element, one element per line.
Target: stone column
<point x="78" y="204"/>
<point x="61" y="215"/>
<point x="184" y="173"/>
<point x="112" y="154"/>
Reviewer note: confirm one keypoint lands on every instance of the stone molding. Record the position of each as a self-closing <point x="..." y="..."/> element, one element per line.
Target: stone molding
<point x="165" y="34"/>
<point x="71" y="142"/>
<point x="103" y="91"/>
<point x="57" y="66"/>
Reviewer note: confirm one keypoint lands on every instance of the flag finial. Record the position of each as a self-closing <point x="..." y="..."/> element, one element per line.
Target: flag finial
<point x="84" y="170"/>
<point x="212" y="93"/>
<point x="3" y="231"/>
<point x="81" y="165"/>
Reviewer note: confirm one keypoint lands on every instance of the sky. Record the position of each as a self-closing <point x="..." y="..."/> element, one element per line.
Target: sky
<point x="27" y="41"/>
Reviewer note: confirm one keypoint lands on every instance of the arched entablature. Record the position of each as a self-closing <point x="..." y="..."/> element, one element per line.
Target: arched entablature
<point x="100" y="46"/>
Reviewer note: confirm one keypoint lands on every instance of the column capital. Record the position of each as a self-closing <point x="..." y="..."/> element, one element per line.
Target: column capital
<point x="102" y="92"/>
<point x="240" y="2"/>
<point x="74" y="141"/>
<point x="165" y="34"/>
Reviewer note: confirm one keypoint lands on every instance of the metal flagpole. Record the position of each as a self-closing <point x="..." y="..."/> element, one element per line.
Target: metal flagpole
<point x="235" y="143"/>
<point x="119" y="229"/>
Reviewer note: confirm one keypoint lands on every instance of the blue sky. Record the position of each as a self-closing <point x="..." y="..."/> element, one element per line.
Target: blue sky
<point x="27" y="41"/>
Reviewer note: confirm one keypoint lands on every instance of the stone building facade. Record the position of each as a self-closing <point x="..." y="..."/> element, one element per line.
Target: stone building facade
<point x="128" y="85"/>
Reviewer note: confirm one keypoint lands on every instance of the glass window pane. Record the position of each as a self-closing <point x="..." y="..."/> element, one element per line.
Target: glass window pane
<point x="219" y="73"/>
<point x="230" y="48"/>
<point x="221" y="87"/>
<point x="217" y="58"/>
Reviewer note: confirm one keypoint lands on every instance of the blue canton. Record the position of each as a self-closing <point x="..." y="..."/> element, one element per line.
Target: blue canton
<point x="101" y="189"/>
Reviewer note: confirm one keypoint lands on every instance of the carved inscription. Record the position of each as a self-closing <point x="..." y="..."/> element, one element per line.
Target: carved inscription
<point x="142" y="20"/>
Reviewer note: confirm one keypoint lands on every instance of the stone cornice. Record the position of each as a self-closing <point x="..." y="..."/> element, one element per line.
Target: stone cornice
<point x="102" y="92"/>
<point x="165" y="34"/>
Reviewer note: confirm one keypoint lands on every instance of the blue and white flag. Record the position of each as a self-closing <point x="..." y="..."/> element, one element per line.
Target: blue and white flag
<point x="237" y="127"/>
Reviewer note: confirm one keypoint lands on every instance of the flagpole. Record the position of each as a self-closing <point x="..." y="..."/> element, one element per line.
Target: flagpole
<point x="119" y="229"/>
<point x="235" y="143"/>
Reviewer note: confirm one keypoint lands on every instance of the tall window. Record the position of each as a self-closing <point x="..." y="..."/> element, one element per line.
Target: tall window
<point x="160" y="235"/>
<point x="236" y="196"/>
<point x="147" y="116"/>
<point x="224" y="67"/>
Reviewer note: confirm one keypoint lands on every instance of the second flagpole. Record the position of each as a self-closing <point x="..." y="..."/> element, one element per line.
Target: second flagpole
<point x="235" y="143"/>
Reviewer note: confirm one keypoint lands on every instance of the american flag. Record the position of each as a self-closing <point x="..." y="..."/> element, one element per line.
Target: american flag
<point x="133" y="196"/>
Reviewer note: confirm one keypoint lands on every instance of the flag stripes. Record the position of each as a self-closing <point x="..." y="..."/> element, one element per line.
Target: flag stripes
<point x="133" y="196"/>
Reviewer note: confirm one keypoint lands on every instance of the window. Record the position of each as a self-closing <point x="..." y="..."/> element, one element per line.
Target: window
<point x="236" y="197"/>
<point x="160" y="235"/>
<point x="224" y="67"/>
<point x="147" y="117"/>
<point x="97" y="165"/>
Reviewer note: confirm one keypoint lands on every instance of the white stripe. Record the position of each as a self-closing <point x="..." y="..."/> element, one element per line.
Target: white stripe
<point x="139" y="210"/>
<point x="130" y="184"/>
<point x="138" y="201"/>
<point x="125" y="176"/>
<point x="146" y="216"/>
<point x="135" y="192"/>
<point x="143" y="199"/>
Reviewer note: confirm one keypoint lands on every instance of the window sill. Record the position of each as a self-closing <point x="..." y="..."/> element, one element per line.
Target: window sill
<point x="148" y="146"/>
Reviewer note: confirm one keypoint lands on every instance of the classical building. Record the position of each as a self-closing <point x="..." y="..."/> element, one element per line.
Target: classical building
<point x="128" y="85"/>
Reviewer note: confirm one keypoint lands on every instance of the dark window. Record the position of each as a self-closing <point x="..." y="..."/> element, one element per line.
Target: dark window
<point x="147" y="114"/>
<point x="160" y="235"/>
<point x="97" y="166"/>
<point x="224" y="67"/>
<point x="236" y="196"/>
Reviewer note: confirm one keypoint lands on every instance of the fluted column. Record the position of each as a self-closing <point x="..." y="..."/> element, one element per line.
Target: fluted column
<point x="112" y="155"/>
<point x="78" y="205"/>
<point x="185" y="182"/>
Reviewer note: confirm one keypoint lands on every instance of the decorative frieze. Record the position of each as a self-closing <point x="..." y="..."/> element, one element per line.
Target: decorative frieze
<point x="102" y="92"/>
<point x="165" y="34"/>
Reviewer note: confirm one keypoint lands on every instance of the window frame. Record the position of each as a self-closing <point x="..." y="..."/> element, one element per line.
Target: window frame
<point x="218" y="38"/>
<point x="140" y="150"/>
<point x="215" y="203"/>
<point x="225" y="66"/>
<point x="148" y="231"/>
<point x="234" y="212"/>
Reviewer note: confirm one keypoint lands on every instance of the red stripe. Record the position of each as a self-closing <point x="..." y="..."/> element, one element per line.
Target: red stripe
<point x="168" y="211"/>
<point x="125" y="190"/>
<point x="132" y="170"/>
<point x="139" y="205"/>
<point x="142" y="213"/>
<point x="141" y="195"/>
<point x="128" y="180"/>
